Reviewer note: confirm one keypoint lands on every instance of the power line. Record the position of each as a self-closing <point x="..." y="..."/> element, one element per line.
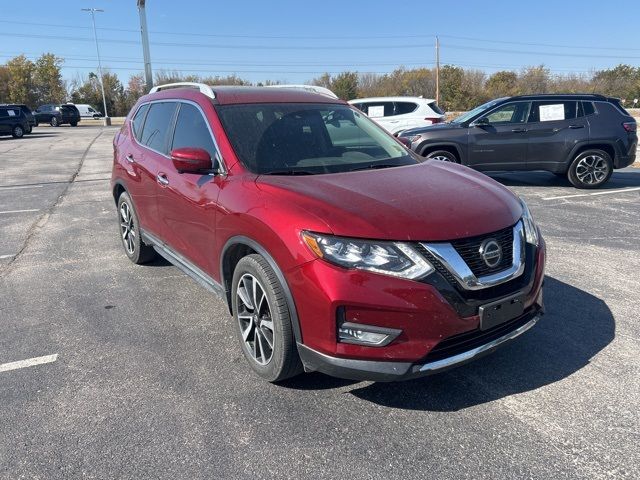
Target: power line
<point x="324" y="37"/>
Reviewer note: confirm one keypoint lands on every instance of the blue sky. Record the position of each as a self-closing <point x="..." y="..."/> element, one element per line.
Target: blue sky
<point x="294" y="41"/>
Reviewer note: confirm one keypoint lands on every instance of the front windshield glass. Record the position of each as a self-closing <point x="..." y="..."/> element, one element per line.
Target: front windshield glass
<point x="306" y="139"/>
<point x="472" y="113"/>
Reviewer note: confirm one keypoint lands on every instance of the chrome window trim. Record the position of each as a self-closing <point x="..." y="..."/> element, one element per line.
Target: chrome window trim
<point x="223" y="167"/>
<point x="453" y="262"/>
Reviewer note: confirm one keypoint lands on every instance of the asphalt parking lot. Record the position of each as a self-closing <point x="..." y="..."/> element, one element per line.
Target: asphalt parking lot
<point x="142" y="376"/>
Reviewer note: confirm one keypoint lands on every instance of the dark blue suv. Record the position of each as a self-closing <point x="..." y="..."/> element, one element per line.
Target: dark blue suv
<point x="583" y="137"/>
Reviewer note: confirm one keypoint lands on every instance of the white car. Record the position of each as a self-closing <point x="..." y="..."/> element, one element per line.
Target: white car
<point x="396" y="114"/>
<point x="87" y="111"/>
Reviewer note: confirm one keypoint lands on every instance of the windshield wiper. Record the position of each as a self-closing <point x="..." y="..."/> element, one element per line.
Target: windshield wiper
<point x="375" y="166"/>
<point x="288" y="172"/>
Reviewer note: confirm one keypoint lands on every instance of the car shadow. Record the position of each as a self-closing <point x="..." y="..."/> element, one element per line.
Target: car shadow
<point x="29" y="135"/>
<point x="576" y="327"/>
<point x="628" y="177"/>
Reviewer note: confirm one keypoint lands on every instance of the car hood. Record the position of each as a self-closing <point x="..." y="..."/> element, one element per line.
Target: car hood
<point x="432" y="201"/>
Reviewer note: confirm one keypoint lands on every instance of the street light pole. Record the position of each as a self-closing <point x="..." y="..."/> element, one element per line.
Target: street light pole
<point x="107" y="120"/>
<point x="145" y="44"/>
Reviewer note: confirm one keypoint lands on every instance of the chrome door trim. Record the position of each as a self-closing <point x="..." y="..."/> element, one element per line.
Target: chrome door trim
<point x="453" y="262"/>
<point x="182" y="263"/>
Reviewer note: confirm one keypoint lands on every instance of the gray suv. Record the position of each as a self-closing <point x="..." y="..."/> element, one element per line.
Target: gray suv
<point x="583" y="137"/>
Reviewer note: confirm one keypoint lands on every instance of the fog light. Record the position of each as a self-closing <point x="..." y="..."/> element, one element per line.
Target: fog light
<point x="370" y="335"/>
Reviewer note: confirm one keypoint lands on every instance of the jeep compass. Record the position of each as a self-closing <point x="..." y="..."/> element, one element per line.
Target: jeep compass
<point x="335" y="248"/>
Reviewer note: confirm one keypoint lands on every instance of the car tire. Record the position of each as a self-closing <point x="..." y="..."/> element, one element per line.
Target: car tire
<point x="74" y="124"/>
<point x="17" y="132"/>
<point x="263" y="321"/>
<point x="443" y="156"/>
<point x="590" y="169"/>
<point x="37" y="124"/>
<point x="54" y="122"/>
<point x="132" y="243"/>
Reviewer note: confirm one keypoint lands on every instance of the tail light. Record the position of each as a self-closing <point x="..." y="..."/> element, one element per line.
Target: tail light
<point x="630" y="126"/>
<point x="434" y="119"/>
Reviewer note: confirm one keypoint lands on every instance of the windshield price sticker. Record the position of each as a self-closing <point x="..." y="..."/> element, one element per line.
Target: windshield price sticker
<point x="377" y="111"/>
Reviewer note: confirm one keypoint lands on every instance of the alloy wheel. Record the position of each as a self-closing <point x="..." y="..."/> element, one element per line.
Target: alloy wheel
<point x="127" y="228"/>
<point x="255" y="319"/>
<point x="592" y="169"/>
<point x="442" y="158"/>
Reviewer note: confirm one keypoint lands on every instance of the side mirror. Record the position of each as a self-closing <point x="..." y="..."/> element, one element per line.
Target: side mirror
<point x="405" y="141"/>
<point x="191" y="160"/>
<point x="481" y="122"/>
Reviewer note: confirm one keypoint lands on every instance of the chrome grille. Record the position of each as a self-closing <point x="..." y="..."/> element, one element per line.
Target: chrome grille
<point x="469" y="250"/>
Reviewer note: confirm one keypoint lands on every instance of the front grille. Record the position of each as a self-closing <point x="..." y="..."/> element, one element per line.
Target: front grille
<point x="469" y="250"/>
<point x="464" y="342"/>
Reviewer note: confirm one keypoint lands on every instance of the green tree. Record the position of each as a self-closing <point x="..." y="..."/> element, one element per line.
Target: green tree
<point x="20" y="85"/>
<point x="502" y="84"/>
<point x="4" y="84"/>
<point x="345" y="85"/>
<point x="48" y="85"/>
<point x="622" y="81"/>
<point x="451" y="93"/>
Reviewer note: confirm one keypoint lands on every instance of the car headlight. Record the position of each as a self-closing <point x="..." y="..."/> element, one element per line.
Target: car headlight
<point x="389" y="258"/>
<point x="411" y="138"/>
<point x="530" y="229"/>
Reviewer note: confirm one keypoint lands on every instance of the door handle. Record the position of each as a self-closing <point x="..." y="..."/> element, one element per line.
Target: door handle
<point x="576" y="126"/>
<point x="130" y="158"/>
<point x="519" y="130"/>
<point x="162" y="179"/>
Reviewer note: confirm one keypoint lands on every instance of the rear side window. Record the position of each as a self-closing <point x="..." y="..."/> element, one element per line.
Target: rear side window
<point x="405" y="107"/>
<point x="192" y="131"/>
<point x="550" y="110"/>
<point x="157" y="125"/>
<point x="378" y="109"/>
<point x="138" y="120"/>
<point x="434" y="106"/>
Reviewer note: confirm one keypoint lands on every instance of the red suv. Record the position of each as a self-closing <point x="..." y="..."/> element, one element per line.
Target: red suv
<point x="335" y="247"/>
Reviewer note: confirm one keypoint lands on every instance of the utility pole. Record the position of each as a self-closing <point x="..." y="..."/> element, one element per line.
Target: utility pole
<point x="107" y="120"/>
<point x="145" y="44"/>
<point x="437" y="71"/>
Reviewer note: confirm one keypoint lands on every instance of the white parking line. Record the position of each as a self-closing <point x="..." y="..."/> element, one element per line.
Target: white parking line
<point x="29" y="362"/>
<point x="18" y="187"/>
<point x="6" y="212"/>
<point x="608" y="192"/>
<point x="2" y="257"/>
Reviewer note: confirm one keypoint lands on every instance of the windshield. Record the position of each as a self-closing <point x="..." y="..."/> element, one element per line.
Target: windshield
<point x="472" y="113"/>
<point x="306" y="139"/>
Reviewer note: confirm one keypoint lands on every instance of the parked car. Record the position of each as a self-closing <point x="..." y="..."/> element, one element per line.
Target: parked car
<point x="335" y="247"/>
<point x="13" y="121"/>
<point x="57" y="114"/>
<point x="583" y="137"/>
<point x="87" y="111"/>
<point x="28" y="113"/>
<point x="396" y="114"/>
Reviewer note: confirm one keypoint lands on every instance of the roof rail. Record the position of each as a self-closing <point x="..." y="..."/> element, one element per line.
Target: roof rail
<point x="203" y="88"/>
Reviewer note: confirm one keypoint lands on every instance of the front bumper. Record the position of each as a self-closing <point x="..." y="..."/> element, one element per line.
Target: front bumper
<point x="381" y="371"/>
<point x="432" y="315"/>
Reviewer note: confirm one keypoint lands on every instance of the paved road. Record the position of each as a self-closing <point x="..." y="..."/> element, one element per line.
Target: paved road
<point x="149" y="382"/>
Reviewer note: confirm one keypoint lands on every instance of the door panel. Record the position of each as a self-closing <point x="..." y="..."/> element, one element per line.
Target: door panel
<point x="188" y="203"/>
<point x="144" y="160"/>
<point x="501" y="144"/>
<point x="554" y="128"/>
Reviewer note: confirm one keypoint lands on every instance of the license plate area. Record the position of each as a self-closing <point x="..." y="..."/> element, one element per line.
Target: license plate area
<point x="501" y="311"/>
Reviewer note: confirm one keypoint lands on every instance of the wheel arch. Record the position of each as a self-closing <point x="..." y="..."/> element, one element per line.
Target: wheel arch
<point x="117" y="190"/>
<point x="427" y="148"/>
<point x="607" y="147"/>
<point x="238" y="247"/>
